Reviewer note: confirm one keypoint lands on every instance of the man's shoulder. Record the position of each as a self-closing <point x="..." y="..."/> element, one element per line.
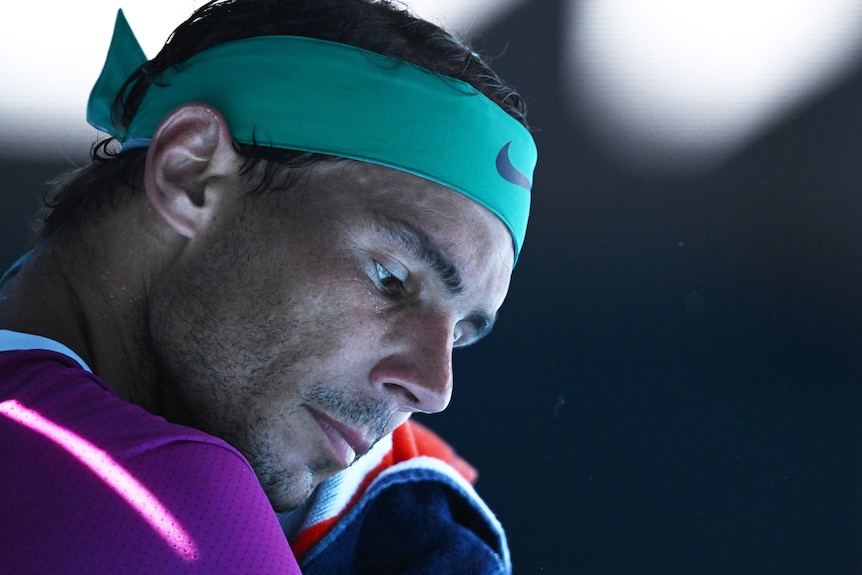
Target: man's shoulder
<point x="90" y="469"/>
<point x="51" y="387"/>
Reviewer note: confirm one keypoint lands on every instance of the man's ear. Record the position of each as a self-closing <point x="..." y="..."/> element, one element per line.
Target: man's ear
<point x="189" y="150"/>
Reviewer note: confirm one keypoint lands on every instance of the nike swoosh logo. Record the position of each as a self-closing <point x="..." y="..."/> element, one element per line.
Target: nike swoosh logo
<point x="509" y="172"/>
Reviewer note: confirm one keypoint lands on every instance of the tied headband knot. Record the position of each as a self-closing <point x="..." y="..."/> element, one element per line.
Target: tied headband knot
<point x="311" y="95"/>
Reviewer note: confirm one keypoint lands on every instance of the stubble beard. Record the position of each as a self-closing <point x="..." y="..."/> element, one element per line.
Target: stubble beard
<point x="287" y="489"/>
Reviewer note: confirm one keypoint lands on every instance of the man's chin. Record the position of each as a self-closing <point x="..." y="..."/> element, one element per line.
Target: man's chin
<point x="283" y="502"/>
<point x="290" y="492"/>
<point x="287" y="491"/>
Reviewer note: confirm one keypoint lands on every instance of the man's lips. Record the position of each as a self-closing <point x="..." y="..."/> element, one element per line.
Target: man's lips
<point x="347" y="443"/>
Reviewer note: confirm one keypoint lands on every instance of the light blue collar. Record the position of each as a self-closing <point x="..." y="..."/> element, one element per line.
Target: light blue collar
<point x="17" y="341"/>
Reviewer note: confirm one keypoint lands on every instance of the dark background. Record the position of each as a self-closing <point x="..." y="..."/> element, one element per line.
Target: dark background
<point x="673" y="384"/>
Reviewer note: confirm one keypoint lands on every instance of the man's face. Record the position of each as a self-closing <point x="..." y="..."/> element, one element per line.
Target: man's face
<point x="304" y="326"/>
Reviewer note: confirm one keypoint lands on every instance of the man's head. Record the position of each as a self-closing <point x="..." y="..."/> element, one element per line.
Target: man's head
<point x="304" y="304"/>
<point x="377" y="26"/>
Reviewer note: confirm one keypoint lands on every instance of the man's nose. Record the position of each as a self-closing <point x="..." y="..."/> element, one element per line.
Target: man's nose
<point x="419" y="371"/>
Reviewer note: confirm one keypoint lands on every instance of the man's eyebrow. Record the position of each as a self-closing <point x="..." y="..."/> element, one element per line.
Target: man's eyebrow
<point x="421" y="247"/>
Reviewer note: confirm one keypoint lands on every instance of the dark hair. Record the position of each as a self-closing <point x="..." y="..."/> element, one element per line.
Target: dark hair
<point x="376" y="25"/>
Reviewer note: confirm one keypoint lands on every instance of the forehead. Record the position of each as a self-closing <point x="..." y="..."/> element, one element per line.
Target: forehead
<point x="359" y="190"/>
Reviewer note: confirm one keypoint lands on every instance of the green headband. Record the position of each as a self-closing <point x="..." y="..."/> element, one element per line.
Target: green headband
<point x="312" y="95"/>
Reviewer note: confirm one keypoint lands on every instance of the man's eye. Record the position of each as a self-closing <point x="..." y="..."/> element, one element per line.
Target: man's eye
<point x="390" y="284"/>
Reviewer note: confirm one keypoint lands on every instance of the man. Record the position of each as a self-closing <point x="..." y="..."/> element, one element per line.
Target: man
<point x="312" y="204"/>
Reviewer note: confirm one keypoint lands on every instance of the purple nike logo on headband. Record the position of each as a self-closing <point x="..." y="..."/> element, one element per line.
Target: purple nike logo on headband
<point x="509" y="172"/>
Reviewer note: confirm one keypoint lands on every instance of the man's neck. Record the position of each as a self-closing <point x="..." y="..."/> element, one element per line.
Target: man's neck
<point x="93" y="300"/>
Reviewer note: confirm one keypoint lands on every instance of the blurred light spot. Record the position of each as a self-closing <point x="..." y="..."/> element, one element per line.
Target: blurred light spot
<point x="54" y="51"/>
<point x="561" y="401"/>
<point x="683" y="84"/>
